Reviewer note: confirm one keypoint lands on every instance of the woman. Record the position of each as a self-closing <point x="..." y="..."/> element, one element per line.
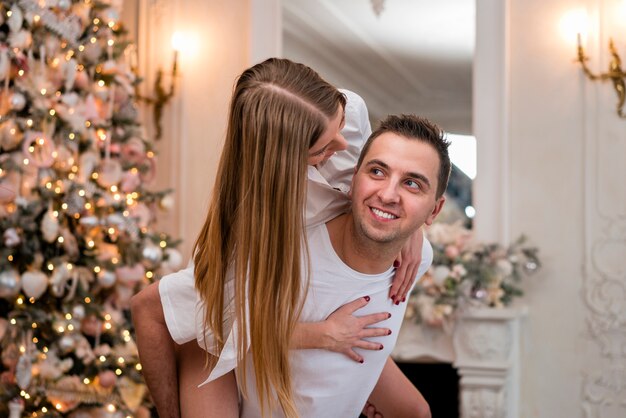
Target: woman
<point x="248" y="255"/>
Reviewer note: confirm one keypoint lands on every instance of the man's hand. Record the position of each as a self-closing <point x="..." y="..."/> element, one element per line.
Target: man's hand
<point x="369" y="411"/>
<point x="407" y="264"/>
<point x="342" y="331"/>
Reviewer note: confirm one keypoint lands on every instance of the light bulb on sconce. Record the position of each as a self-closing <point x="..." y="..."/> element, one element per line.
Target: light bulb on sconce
<point x="615" y="72"/>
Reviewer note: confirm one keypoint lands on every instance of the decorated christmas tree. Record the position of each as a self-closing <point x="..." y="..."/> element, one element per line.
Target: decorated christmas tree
<point x="76" y="218"/>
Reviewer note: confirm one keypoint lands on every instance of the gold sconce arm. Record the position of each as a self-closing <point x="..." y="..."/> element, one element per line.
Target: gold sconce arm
<point x="615" y="74"/>
<point x="162" y="96"/>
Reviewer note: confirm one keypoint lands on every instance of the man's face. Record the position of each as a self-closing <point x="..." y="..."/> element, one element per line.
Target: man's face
<point x="393" y="191"/>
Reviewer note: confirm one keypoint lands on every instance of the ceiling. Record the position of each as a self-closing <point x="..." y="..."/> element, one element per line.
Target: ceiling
<point x="415" y="57"/>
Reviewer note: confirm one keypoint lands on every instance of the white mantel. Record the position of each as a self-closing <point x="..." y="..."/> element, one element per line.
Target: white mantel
<point x="484" y="348"/>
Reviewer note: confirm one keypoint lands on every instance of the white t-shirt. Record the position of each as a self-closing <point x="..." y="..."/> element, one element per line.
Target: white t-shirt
<point x="328" y="384"/>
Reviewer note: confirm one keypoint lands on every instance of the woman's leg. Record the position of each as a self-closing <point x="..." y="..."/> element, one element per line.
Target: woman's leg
<point x="218" y="398"/>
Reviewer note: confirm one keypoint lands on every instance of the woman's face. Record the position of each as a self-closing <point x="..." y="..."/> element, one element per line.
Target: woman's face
<point x="331" y="140"/>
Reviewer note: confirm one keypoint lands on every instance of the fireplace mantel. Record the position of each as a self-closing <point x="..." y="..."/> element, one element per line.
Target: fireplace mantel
<point x="484" y="348"/>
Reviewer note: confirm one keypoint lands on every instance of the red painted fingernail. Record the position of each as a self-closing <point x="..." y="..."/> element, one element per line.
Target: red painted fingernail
<point x="361" y="361"/>
<point x="389" y="332"/>
<point x="397" y="302"/>
<point x="392" y="297"/>
<point x="403" y="299"/>
<point x="367" y="298"/>
<point x="389" y="316"/>
<point x="396" y="264"/>
<point x="381" y="347"/>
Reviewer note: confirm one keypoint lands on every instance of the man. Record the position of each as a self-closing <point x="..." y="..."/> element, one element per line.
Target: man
<point x="391" y="376"/>
<point x="397" y="187"/>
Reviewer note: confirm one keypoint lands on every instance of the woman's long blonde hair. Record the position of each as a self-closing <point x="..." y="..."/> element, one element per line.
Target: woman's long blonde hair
<point x="255" y="225"/>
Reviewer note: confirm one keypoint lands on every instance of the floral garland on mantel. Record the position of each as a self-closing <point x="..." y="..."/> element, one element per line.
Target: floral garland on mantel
<point x="466" y="273"/>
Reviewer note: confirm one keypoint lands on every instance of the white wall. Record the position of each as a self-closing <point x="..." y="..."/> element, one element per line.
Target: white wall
<point x="563" y="149"/>
<point x="194" y="122"/>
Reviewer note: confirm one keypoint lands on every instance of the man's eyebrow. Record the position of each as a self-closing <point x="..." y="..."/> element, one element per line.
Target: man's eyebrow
<point x="410" y="174"/>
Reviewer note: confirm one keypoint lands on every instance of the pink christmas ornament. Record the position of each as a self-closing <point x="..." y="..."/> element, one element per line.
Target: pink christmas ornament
<point x="7" y="194"/>
<point x="38" y="148"/>
<point x="107" y="378"/>
<point x="130" y="182"/>
<point x="130" y="275"/>
<point x="91" y="326"/>
<point x="10" y="135"/>
<point x="133" y="151"/>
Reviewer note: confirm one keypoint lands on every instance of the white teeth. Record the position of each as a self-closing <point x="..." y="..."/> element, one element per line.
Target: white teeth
<point x="382" y="214"/>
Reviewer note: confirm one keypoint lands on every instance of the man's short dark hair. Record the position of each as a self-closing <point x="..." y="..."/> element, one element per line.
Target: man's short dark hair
<point x="415" y="127"/>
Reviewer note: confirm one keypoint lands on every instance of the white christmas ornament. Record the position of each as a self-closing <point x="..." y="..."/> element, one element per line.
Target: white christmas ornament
<point x="78" y="312"/>
<point x="152" y="254"/>
<point x="173" y="259"/>
<point x="66" y="344"/>
<point x="9" y="284"/>
<point x="110" y="173"/>
<point x="22" y="39"/>
<point x="69" y="73"/>
<point x="106" y="278"/>
<point x="50" y="226"/>
<point x="64" y="4"/>
<point x="5" y="63"/>
<point x="16" y="19"/>
<point x="24" y="371"/>
<point x="11" y="237"/>
<point x="17" y="101"/>
<point x="58" y="280"/>
<point x="34" y="283"/>
<point x="167" y="203"/>
<point x="87" y="163"/>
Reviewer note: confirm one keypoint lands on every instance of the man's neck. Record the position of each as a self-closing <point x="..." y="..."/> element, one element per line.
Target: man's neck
<point x="359" y="253"/>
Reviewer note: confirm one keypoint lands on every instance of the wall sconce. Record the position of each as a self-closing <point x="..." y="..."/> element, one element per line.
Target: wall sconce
<point x="162" y="95"/>
<point x="615" y="73"/>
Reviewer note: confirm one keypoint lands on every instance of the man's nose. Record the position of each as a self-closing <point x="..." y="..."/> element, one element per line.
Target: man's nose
<point x="388" y="192"/>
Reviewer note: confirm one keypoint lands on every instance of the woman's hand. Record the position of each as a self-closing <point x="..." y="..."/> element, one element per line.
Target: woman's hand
<point x="342" y="331"/>
<point x="407" y="264"/>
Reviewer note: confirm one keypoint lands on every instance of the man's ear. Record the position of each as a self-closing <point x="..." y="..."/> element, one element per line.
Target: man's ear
<point x="436" y="210"/>
<point x="352" y="183"/>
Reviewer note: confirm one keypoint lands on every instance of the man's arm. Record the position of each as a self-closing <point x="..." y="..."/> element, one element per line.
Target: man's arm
<point x="156" y="351"/>
<point x="395" y="396"/>
<point x="218" y="398"/>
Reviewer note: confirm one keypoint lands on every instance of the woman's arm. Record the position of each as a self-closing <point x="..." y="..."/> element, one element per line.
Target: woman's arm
<point x="407" y="264"/>
<point x="341" y="332"/>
